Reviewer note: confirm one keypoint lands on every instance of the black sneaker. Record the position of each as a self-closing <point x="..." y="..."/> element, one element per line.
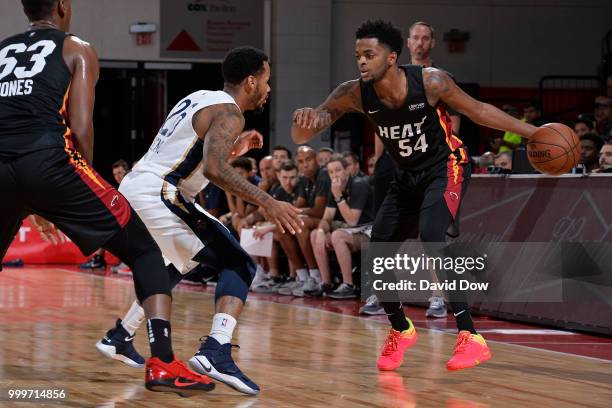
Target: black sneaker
<point x="96" y="262"/>
<point x="344" y="291"/>
<point x="215" y="361"/>
<point x="119" y="345"/>
<point x="320" y="290"/>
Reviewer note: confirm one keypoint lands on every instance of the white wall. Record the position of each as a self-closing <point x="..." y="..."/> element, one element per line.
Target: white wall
<point x="103" y="23"/>
<point x="513" y="42"/>
<point x="301" y="58"/>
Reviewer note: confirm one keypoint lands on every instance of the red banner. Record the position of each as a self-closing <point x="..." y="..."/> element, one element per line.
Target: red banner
<point x="30" y="247"/>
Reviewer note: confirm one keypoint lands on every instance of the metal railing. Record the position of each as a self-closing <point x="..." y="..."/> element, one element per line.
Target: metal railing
<point x="565" y="96"/>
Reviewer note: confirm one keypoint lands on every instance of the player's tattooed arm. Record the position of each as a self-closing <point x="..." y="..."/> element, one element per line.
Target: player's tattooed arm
<point x="225" y="126"/>
<point x="309" y="122"/>
<point x="439" y="87"/>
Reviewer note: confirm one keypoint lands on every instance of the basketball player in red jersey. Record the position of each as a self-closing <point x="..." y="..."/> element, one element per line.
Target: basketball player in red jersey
<point x="407" y="105"/>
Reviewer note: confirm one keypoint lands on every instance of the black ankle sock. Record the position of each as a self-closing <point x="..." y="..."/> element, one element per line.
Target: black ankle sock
<point x="395" y="314"/>
<point x="160" y="340"/>
<point x="461" y="311"/>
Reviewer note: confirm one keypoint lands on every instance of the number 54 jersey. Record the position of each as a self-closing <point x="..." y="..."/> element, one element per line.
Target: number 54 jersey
<point x="176" y="154"/>
<point x="416" y="135"/>
<point x="34" y="83"/>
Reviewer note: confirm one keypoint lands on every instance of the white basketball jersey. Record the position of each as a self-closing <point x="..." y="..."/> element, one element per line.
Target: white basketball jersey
<point x="176" y="153"/>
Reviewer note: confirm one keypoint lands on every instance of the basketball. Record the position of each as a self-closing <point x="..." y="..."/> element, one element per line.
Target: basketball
<point x="554" y="149"/>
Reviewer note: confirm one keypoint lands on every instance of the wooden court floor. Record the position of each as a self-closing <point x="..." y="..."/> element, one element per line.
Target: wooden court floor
<point x="301" y="357"/>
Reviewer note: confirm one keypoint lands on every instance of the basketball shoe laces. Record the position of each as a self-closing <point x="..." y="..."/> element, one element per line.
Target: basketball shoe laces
<point x="231" y="345"/>
<point x="462" y="341"/>
<point x="391" y="343"/>
<point x="187" y="373"/>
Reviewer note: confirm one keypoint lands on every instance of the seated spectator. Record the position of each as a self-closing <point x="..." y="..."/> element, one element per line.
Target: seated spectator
<point x="238" y="207"/>
<point x="603" y="113"/>
<point x="269" y="178"/>
<point x="504" y="161"/>
<point x="532" y="113"/>
<point x="213" y="199"/>
<point x="609" y="86"/>
<point x="584" y="123"/>
<point x="591" y="144"/>
<point x="509" y="140"/>
<point x="286" y="191"/>
<point x="280" y="154"/>
<point x="312" y="192"/>
<point x="254" y="177"/>
<point x="323" y="155"/>
<point x="350" y="204"/>
<point x="371" y="165"/>
<point x="352" y="160"/>
<point x="605" y="159"/>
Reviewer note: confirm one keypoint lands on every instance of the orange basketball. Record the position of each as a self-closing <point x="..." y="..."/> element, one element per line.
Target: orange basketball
<point x="554" y="149"/>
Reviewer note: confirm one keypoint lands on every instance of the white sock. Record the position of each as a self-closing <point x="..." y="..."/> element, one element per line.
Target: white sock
<point x="315" y="274"/>
<point x="302" y="274"/>
<point x="222" y="327"/>
<point x="133" y="318"/>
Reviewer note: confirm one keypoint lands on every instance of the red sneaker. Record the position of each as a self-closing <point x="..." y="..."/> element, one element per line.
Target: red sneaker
<point x="396" y="344"/>
<point x="470" y="350"/>
<point x="175" y="377"/>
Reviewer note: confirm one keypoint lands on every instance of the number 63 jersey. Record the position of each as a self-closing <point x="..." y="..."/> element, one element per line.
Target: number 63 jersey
<point x="34" y="83"/>
<point x="416" y="135"/>
<point x="176" y="154"/>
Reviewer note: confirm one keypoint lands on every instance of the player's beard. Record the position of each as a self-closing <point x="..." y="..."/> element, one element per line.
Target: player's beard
<point x="259" y="106"/>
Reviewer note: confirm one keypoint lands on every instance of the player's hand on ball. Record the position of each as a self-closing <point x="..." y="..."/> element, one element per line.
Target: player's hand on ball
<point x="286" y="216"/>
<point x="309" y="118"/>
<point x="249" y="139"/>
<point x="47" y="230"/>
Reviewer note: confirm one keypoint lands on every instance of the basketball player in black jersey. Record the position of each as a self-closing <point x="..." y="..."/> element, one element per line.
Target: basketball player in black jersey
<point x="407" y="105"/>
<point x="47" y="85"/>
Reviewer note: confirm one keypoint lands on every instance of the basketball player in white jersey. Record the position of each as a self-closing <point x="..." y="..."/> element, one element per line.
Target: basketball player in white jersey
<point x="193" y="146"/>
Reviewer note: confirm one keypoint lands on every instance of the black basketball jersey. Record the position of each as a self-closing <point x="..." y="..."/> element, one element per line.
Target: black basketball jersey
<point x="416" y="135"/>
<point x="34" y="82"/>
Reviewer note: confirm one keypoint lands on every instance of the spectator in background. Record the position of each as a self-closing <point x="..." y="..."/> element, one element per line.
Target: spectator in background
<point x="504" y="161"/>
<point x="213" y="199"/>
<point x="591" y="144"/>
<point x="323" y="156"/>
<point x="584" y="123"/>
<point x="510" y="141"/>
<point x="120" y="169"/>
<point x="286" y="191"/>
<point x="605" y="158"/>
<point x="280" y="154"/>
<point x="350" y="203"/>
<point x="352" y="163"/>
<point x="371" y="165"/>
<point x="603" y="113"/>
<point x="609" y="86"/>
<point x="238" y="207"/>
<point x="421" y="40"/>
<point x="313" y="190"/>
<point x="267" y="173"/>
<point x="254" y="177"/>
<point x="532" y="113"/>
